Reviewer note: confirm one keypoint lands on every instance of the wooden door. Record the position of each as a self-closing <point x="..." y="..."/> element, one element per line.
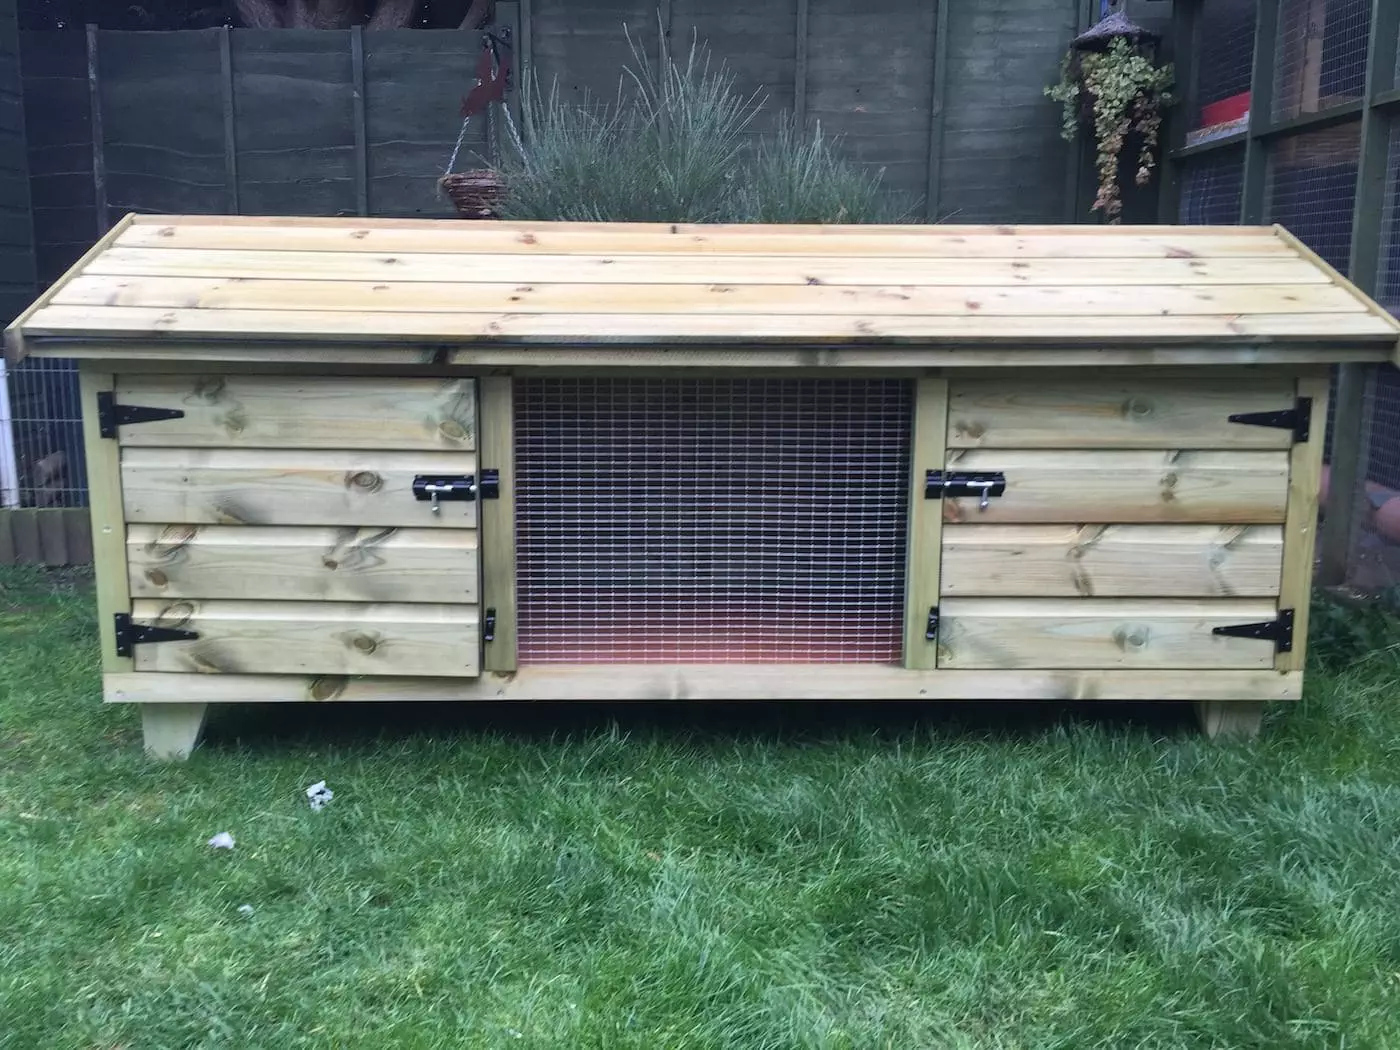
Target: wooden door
<point x="286" y="525"/>
<point x="1127" y="522"/>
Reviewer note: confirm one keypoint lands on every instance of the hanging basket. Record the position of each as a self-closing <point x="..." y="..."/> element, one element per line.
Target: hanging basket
<point x="476" y="194"/>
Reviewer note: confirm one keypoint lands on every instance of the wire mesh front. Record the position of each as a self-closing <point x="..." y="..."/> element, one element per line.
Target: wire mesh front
<point x="712" y="520"/>
<point x="1321" y="56"/>
<point x="1211" y="189"/>
<point x="1312" y="189"/>
<point x="44" y="436"/>
<point x="1373" y="562"/>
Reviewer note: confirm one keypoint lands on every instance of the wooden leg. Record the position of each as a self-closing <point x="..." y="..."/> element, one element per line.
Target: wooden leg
<point x="172" y="730"/>
<point x="1230" y="718"/>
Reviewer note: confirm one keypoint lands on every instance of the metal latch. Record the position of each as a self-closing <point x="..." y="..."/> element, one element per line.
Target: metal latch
<point x="931" y="628"/>
<point x="488" y="626"/>
<point x="456" y="488"/>
<point x="952" y="484"/>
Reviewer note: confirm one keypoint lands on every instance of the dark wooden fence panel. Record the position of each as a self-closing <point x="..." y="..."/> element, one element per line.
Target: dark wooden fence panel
<point x="293" y="121"/>
<point x="162" y="122"/>
<point x="58" y="125"/>
<point x="581" y="46"/>
<point x="415" y="80"/>
<point x="1003" y="159"/>
<point x="16" y="231"/>
<point x="870" y="80"/>
<point x="757" y="44"/>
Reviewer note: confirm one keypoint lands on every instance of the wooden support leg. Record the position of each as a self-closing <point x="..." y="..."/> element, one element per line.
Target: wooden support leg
<point x="172" y="730"/>
<point x="1230" y="718"/>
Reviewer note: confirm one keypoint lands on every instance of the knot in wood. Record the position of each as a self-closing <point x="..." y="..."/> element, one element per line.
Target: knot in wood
<point x="366" y="480"/>
<point x="326" y="688"/>
<point x="1138" y="408"/>
<point x="365" y="643"/>
<point x="1132" y="638"/>
<point x="452" y="430"/>
<point x="209" y="388"/>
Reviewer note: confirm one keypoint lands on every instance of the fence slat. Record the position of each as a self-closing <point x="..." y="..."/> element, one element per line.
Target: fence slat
<point x="230" y="125"/>
<point x="799" y="76"/>
<point x="53" y="537"/>
<point x="357" y="73"/>
<point x="99" y="152"/>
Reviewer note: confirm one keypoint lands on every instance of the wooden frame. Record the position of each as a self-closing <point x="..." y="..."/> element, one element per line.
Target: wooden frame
<point x="925" y="538"/>
<point x="496" y="413"/>
<point x="604" y="682"/>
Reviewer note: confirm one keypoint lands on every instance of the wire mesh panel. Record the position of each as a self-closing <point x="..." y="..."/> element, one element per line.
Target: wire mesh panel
<point x="1312" y="188"/>
<point x="46" y="434"/>
<point x="1374" y="561"/>
<point x="1211" y="188"/>
<point x="1321" y="54"/>
<point x="1223" y="68"/>
<point x="711" y="520"/>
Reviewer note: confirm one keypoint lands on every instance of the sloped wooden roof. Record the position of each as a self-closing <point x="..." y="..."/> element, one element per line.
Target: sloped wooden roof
<point x="454" y="283"/>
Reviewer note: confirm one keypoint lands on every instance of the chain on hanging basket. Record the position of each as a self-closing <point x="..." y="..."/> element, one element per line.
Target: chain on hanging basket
<point x="477" y="193"/>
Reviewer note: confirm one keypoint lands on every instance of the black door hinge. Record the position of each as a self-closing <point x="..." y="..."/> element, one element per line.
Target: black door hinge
<point x="129" y="634"/>
<point x="488" y="626"/>
<point x="111" y="415"/>
<point x="982" y="484"/>
<point x="1297" y="419"/>
<point x="1279" y="631"/>
<point x="931" y="631"/>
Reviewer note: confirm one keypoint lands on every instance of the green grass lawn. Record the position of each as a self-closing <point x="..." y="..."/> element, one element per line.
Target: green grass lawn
<point x="705" y="876"/>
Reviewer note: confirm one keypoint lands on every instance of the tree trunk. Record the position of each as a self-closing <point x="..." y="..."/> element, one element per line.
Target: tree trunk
<point x="260" y="14"/>
<point x="477" y="14"/>
<point x="393" y="14"/>
<point x="324" y="14"/>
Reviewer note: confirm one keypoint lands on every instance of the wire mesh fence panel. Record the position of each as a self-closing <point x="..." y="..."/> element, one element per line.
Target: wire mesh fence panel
<point x="1211" y="188"/>
<point x="711" y="520"/>
<point x="46" y="434"/>
<point x="1320" y="57"/>
<point x="1373" y="564"/>
<point x="1223" y="67"/>
<point x="1312" y="188"/>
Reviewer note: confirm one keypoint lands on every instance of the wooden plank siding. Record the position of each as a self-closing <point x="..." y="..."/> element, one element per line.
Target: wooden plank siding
<point x="297" y="637"/>
<point x="247" y="411"/>
<point x="225" y="279"/>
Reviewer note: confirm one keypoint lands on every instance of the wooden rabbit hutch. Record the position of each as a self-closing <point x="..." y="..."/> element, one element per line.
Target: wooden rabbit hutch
<point x="348" y="460"/>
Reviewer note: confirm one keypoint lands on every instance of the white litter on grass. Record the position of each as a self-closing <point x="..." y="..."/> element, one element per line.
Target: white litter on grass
<point x="223" y="840"/>
<point x="245" y="910"/>
<point x="319" y="795"/>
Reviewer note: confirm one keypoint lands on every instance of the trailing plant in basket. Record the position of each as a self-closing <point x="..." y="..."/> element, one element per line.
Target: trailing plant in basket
<point x="1119" y="92"/>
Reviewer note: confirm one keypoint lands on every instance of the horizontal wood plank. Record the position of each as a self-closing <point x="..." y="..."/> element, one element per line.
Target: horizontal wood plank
<point x="373" y="358"/>
<point x="624" y="239"/>
<point x="280" y="563"/>
<point x="714" y="682"/>
<point x="1047" y="633"/>
<point x="1092" y="411"/>
<point x="274" y="487"/>
<point x="708" y="268"/>
<point x="1112" y="561"/>
<point x="243" y="411"/>
<point x="1077" y="487"/>
<point x="732" y="297"/>
<point x="604" y="328"/>
<point x="290" y="637"/>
